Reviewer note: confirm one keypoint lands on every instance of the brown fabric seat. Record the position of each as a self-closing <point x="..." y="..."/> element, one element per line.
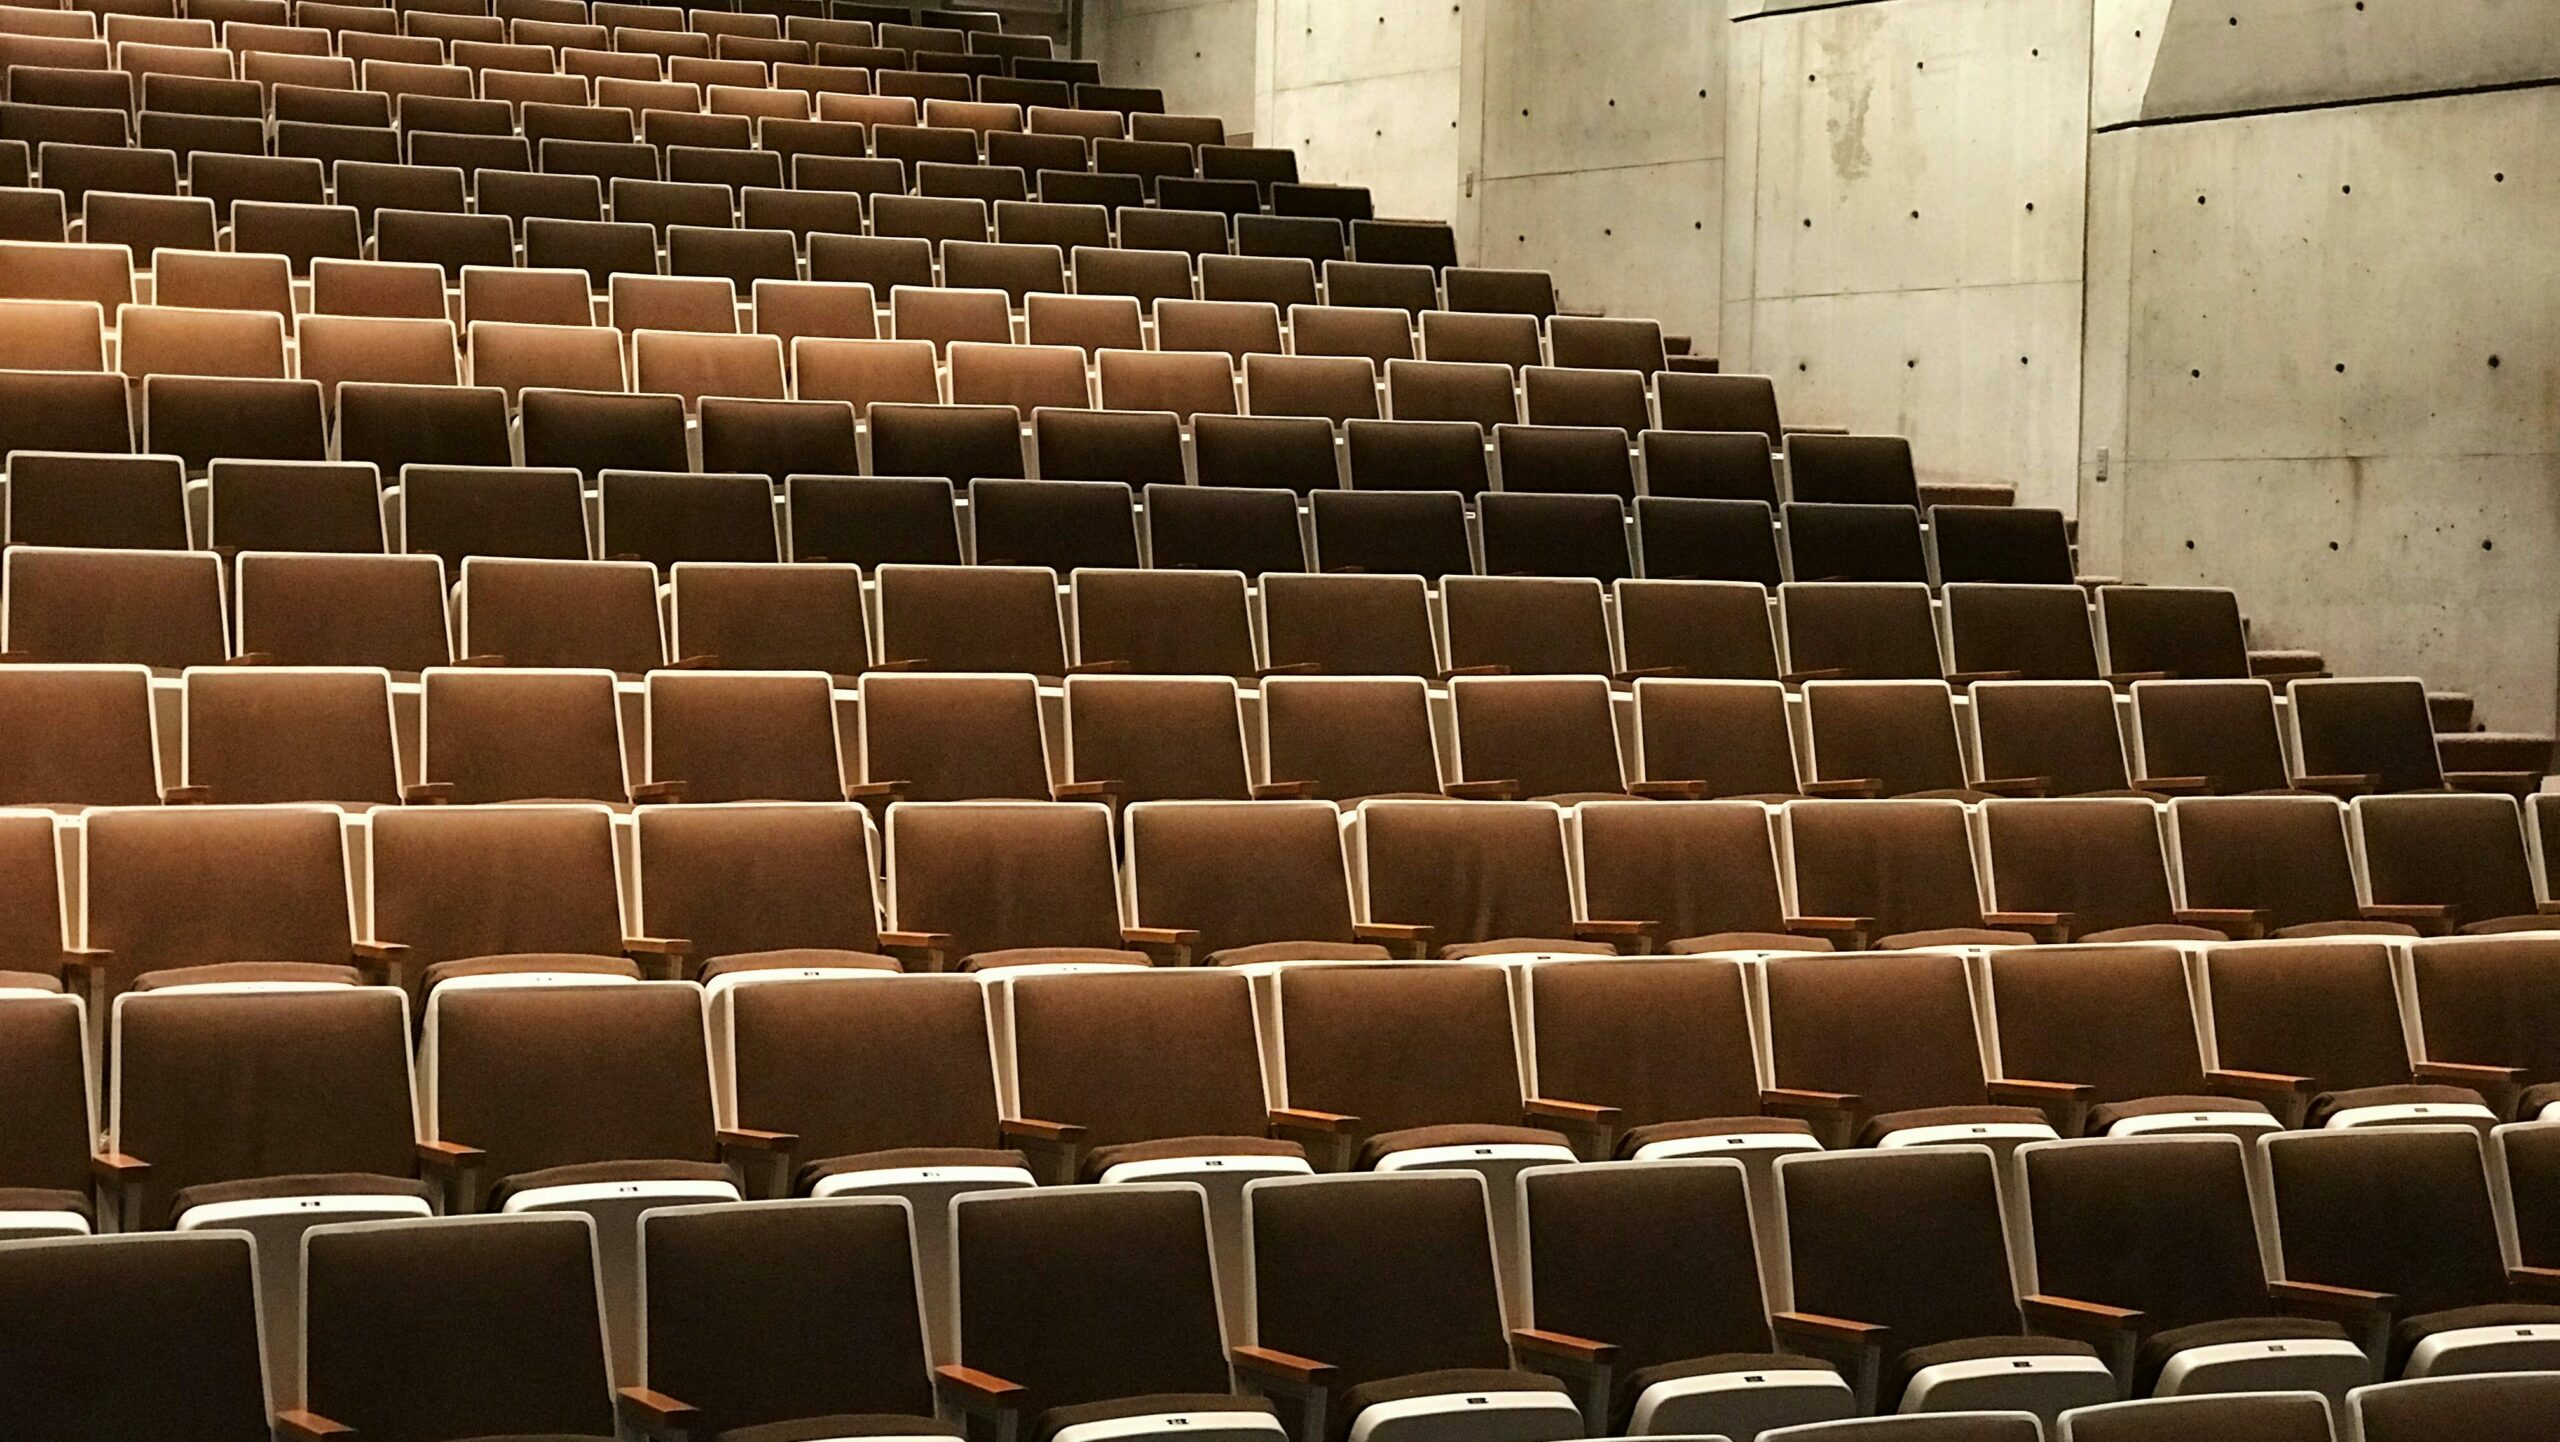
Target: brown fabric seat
<point x="2159" y="1347"/>
<point x="2166" y="931"/>
<point x="29" y="981"/>
<point x="1505" y="945"/>
<point x="1442" y="1383"/>
<point x="1296" y="951"/>
<point x="1637" y="1139"/>
<point x="2313" y="930"/>
<point x="798" y="957"/>
<point x="440" y="972"/>
<point x="903" y="1158"/>
<point x="1634" y="1384"/>
<point x="1745" y="941"/>
<point x="308" y="1184"/>
<point x="584" y="1174"/>
<point x="2329" y="1104"/>
<point x="236" y="972"/>
<point x="2410" y="1331"/>
<point x="45" y="1199"/>
<point x="1953" y="936"/>
<point x="1910" y="1363"/>
<point x="2105" y="1115"/>
<point x="1381" y="1145"/>
<point x="2533" y="1099"/>
<point x="1885" y="1124"/>
<point x="1057" y="1419"/>
<point x="1102" y="1159"/>
<point x="1052" y="956"/>
<point x="2505" y="925"/>
<point x="818" y="1429"/>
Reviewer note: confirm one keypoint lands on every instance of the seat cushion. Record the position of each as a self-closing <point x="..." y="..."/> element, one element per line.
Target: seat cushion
<point x="1407" y="1139"/>
<point x="1576" y="798"/>
<point x="903" y="1158"/>
<point x="2159" y="1347"/>
<point x="1165" y="1149"/>
<point x="1454" y="1380"/>
<point x="309" y="1184"/>
<point x="1953" y="936"/>
<point x="2312" y="930"/>
<point x="234" y="973"/>
<point x="2165" y="931"/>
<point x="437" y="973"/>
<point x="1636" y="1139"/>
<point x="29" y="981"/>
<point x="586" y="1174"/>
<point x="1883" y="1124"/>
<point x="2500" y="925"/>
<point x="1053" y="956"/>
<point x="2329" y="1104"/>
<point x="2104" y="1116"/>
<point x="1910" y="1364"/>
<point x="1746" y="941"/>
<point x="1631" y="1387"/>
<point x="1058" y="1419"/>
<point x="797" y="958"/>
<point x="2412" y="1330"/>
<point x="814" y="1429"/>
<point x="1506" y="945"/>
<point x="44" y="1199"/>
<point x="2531" y="1101"/>
<point x="1299" y="951"/>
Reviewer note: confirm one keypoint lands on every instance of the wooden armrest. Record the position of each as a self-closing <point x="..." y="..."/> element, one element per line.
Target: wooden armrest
<point x="968" y="1387"/>
<point x="1282" y="1366"/>
<point x="2098" y="1312"/>
<point x="1329" y="1138"/>
<point x="118" y="1168"/>
<point x="483" y="660"/>
<point x="449" y="1156"/>
<point x="877" y="791"/>
<point x="1286" y="790"/>
<point x="661" y="958"/>
<point x="653" y="1414"/>
<point x="2535" y="1284"/>
<point x="2066" y="1104"/>
<point x="1164" y="945"/>
<point x="753" y="1139"/>
<point x="657" y="791"/>
<point x="930" y="950"/>
<point x="1833" y="1116"/>
<point x="2238" y="923"/>
<point x="1099" y="668"/>
<point x="82" y="966"/>
<point x="1406" y="943"/>
<point x="2127" y="678"/>
<point x="1592" y="1129"/>
<point x="1860" y="789"/>
<point x="1809" y="1100"/>
<point x="301" y="1426"/>
<point x="1104" y="791"/>
<point x="1819" y="673"/>
<point x="1967" y="678"/>
<point x="251" y="658"/>
<point x="1562" y="1345"/>
<point x="2340" y="786"/>
<point x="1290" y="668"/>
<point x="906" y="663"/>
<point x="2175" y="785"/>
<point x="702" y="662"/>
<point x="1054" y="1149"/>
<point x="1333" y="1124"/>
<point x="2348" y="1304"/>
<point x="1618" y="932"/>
<point x="1032" y="1129"/>
<point x="2468" y="1074"/>
<point x="187" y="796"/>
<point x="2287" y="1097"/>
<point x="1845" y="933"/>
<point x="2546" y="908"/>
<point x="1667" y="790"/>
<point x="2050" y="927"/>
<point x="2430" y="920"/>
<point x="428" y="793"/>
<point x="1456" y="671"/>
<point x="1480" y="790"/>
<point x="2016" y="786"/>
<point x="2504" y="783"/>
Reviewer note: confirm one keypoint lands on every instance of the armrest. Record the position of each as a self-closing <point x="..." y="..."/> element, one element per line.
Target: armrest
<point x="1856" y="1348"/>
<point x="2174" y="785"/>
<point x="1861" y="789"/>
<point x="1618" y="933"/>
<point x="2116" y="1332"/>
<point x="2535" y="1284"/>
<point x="483" y="659"/>
<point x="1164" y="945"/>
<point x="2033" y="787"/>
<point x="186" y="796"/>
<point x="877" y="791"/>
<point x="1279" y="1366"/>
<point x="2497" y="1085"/>
<point x="2342" y="787"/>
<point x="1302" y="1382"/>
<point x="119" y="1180"/>
<point x="1099" y="668"/>
<point x="455" y="1168"/>
<point x="1845" y="933"/>
<point x="661" y="958"/>
<point x="1967" y="678"/>
<point x="983" y="1396"/>
<point x="301" y="1426"/>
<point x="1592" y="1129"/>
<point x="2289" y="1097"/>
<point x="2049" y="927"/>
<point x="1585" y="1368"/>
<point x="1286" y="790"/>
<point x="2127" y="678"/>
<point x="1328" y="1137"/>
<point x="428" y="793"/>
<point x="83" y="968"/>
<point x="2367" y="1316"/>
<point x="2238" y="923"/>
<point x="1289" y="668"/>
<point x="1834" y="1116"/>
<point x="2504" y="783"/>
<point x="1644" y="673"/>
<point x="384" y="963"/>
<point x="1405" y="943"/>
<point x="919" y="950"/>
<point x="2066" y="1104"/>
<point x="657" y="791"/>
<point x="1667" y="790"/>
<point x="1107" y="792"/>
<point x="1480" y="790"/>
<point x="654" y="1415"/>
<point x="1055" y="1149"/>
<point x="751" y="1150"/>
<point x="2546" y="908"/>
<point x="1818" y="673"/>
<point x="1445" y="676"/>
<point x="251" y="658"/>
<point x="2430" y="920"/>
<point x="705" y="661"/>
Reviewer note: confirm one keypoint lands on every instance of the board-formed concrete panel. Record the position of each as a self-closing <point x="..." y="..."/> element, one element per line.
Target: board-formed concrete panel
<point x="1201" y="52"/>
<point x="2221" y="57"/>
<point x="1571" y="87"/>
<point x="1637" y="240"/>
<point x="1367" y="93"/>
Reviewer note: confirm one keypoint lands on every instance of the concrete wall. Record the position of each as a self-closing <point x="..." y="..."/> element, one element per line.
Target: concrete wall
<point x="1903" y="225"/>
<point x="1200" y="51"/>
<point x="1366" y="91"/>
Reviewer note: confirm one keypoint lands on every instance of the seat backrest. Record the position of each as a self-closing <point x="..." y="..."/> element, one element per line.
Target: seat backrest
<point x="2040" y="632"/>
<point x="1350" y="625"/>
<point x="1870" y="631"/>
<point x="961" y="443"/>
<point x="2063" y="731"/>
<point x="1137" y="1055"/>
<point x="738" y="879"/>
<point x="2404" y="1210"/>
<point x="1712" y="465"/>
<point x="562" y="613"/>
<point x="2462" y="850"/>
<point x="1410" y="455"/>
<point x="2015" y="545"/>
<point x="274" y="733"/>
<point x="984" y="618"/>
<point x="2162" y="1225"/>
<point x="457" y="1327"/>
<point x="2258" y="1416"/>
<point x="1858" y="470"/>
<point x="194" y="886"/>
<point x="1895" y="1029"/>
<point x="1219" y="528"/>
<point x="2284" y="855"/>
<point x="2223" y="731"/>
<point x="1379" y="1276"/>
<point x="2495" y="1408"/>
<point x="1400" y="1046"/>
<point x="296" y="506"/>
<point x="1731" y="737"/>
<point x="2329" y="1011"/>
<point x="1656" y="1256"/>
<point x="1089" y="1294"/>
<point x="1695" y="868"/>
<point x="1832" y="541"/>
<point x="1159" y="737"/>
<point x="1908" y="864"/>
<point x="1908" y="1238"/>
<point x="2098" y="858"/>
<point x="1715" y="630"/>
<point x="1534" y="625"/>
<point x="1164" y="623"/>
<point x="464" y="881"/>
<point x="909" y="722"/>
<point x="1243" y="874"/>
<point x="1352" y="736"/>
<point x="1536" y="535"/>
<point x="802" y="617"/>
<point x="1459" y="390"/>
<point x="2188" y="633"/>
<point x="2050" y="1002"/>
<point x="745" y="735"/>
<point x="168" y="1337"/>
<point x="77" y="736"/>
<point x="519" y="734"/>
<point x="2378" y="727"/>
<point x="1470" y="870"/>
<point x="2487" y="997"/>
<point x="1901" y="734"/>
<point x="1555" y="736"/>
<point x="148" y="608"/>
<point x="1659" y="1040"/>
<point x="44" y="1056"/>
<point x="852" y="1066"/>
<point x="1730" y="403"/>
<point x="1421" y="533"/>
<point x="1000" y="876"/>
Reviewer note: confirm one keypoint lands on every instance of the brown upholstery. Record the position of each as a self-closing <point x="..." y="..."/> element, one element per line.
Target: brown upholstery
<point x="777" y="439"/>
<point x="908" y="723"/>
<point x="1353" y="737"/>
<point x="1422" y="533"/>
<point x="88" y="500"/>
<point x="1702" y="539"/>
<point x="1900" y="734"/>
<point x="1556" y="736"/>
<point x="1528" y="534"/>
<point x="859" y="1066"/>
<point x="2162" y="1225"/>
<point x="460" y="511"/>
<point x="261" y="734"/>
<point x="2490" y="1002"/>
<point x="2403" y="1210"/>
<point x="1400" y="1047"/>
<point x="185" y="1364"/>
<point x="455" y="882"/>
<point x="77" y="736"/>
<point x="2285" y="855"/>
<point x="557" y="1077"/>
<point x="663" y="518"/>
<point x="2379" y="727"/>
<point x="1731" y="403"/>
<point x="1908" y="864"/>
<point x="486" y="1327"/>
<point x="2244" y="1417"/>
<point x="1842" y="543"/>
<point x="982" y="618"/>
<point x="352" y="610"/>
<point x="1410" y="455"/>
<point x="1232" y="528"/>
<point x="500" y="734"/>
<point x="1242" y="875"/>
<point x="2053" y="1002"/>
<point x="1718" y="464"/>
<point x="2495" y="1408"/>
<point x="803" y="617"/>
<point x="2189" y="633"/>
<point x="1138" y="1056"/>
<point x="2040" y="632"/>
<point x="1855" y="470"/>
<point x="1063" y="525"/>
<point x="745" y="735"/>
<point x="1732" y="737"/>
<point x="196" y="885"/>
<point x="1160" y="737"/>
<point x="1090" y="1294"/>
<point x="2098" y="859"/>
<point x="1873" y="631"/>
<point x="1895" y="1031"/>
<point x="1440" y="389"/>
<point x="43" y="1057"/>
<point x="2062" y="731"/>
<point x="766" y="1314"/>
<point x="2464" y="851"/>
<point x="1164" y="623"/>
<point x="1661" y="1041"/>
<point x="149" y="608"/>
<point x="240" y="1087"/>
<point x="1924" y="1427"/>
<point x="2011" y="545"/>
<point x="551" y="613"/>
<point x="1133" y="447"/>
<point x="1350" y="625"/>
<point x="2224" y="731"/>
<point x="1695" y="868"/>
<point x="1469" y="870"/>
<point x="2532" y="1157"/>
<point x="1909" y="1239"/>
<point x="997" y="876"/>
<point x="738" y="880"/>
<point x="872" y="520"/>
<point x="2326" y="1011"/>
<point x="1535" y="626"/>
